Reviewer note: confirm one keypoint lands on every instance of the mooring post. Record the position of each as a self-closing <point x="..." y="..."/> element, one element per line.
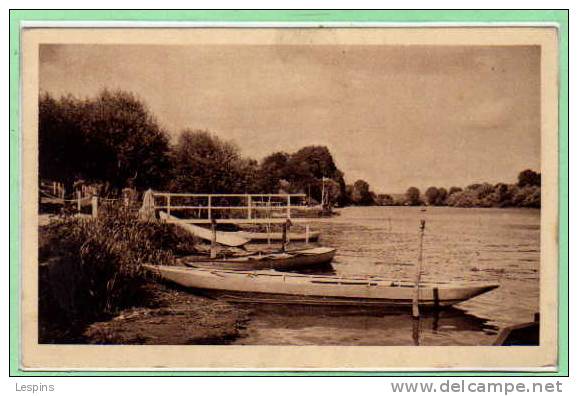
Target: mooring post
<point x="286" y="226"/>
<point x="415" y="303"/>
<point x="416" y="331"/>
<point x="249" y="203"/>
<point x="213" y="238"/>
<point x="94" y="203"/>
<point x="78" y="201"/>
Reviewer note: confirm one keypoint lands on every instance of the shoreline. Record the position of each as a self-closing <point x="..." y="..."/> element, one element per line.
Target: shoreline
<point x="177" y="318"/>
<point x="170" y="317"/>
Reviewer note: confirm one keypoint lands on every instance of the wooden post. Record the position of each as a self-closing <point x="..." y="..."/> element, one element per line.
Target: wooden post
<point x="307" y="234"/>
<point x="285" y="235"/>
<point x="415" y="331"/>
<point x="249" y="203"/>
<point x="415" y="303"/>
<point x="288" y="206"/>
<point x="213" y="238"/>
<point x="323" y="193"/>
<point x="94" y="203"/>
<point x="209" y="211"/>
<point x="168" y="204"/>
<point x="78" y="201"/>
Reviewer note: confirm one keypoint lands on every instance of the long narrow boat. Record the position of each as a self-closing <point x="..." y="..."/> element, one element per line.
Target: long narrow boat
<point x="294" y="259"/>
<point x="262" y="237"/>
<point x="284" y="288"/>
<point x="223" y="238"/>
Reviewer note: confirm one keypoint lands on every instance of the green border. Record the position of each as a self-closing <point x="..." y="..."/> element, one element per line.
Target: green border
<point x="559" y="17"/>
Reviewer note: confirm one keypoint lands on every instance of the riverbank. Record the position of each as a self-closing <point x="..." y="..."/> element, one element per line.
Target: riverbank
<point x="93" y="288"/>
<point x="169" y="317"/>
<point x="176" y="317"/>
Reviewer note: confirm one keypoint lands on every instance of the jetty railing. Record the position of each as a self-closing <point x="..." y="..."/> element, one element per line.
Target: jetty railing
<point x="248" y="208"/>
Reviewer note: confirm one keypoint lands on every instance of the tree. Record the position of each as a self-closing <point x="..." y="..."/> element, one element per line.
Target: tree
<point x="529" y="178"/>
<point x="473" y="187"/>
<point x="332" y="192"/>
<point x="273" y="168"/>
<point x="454" y="190"/>
<point x="360" y="193"/>
<point x="112" y="138"/>
<point x="385" y="200"/>
<point x="308" y="166"/>
<point x="431" y="195"/>
<point x="442" y="197"/>
<point x="412" y="196"/>
<point x="203" y="163"/>
<point x="304" y="170"/>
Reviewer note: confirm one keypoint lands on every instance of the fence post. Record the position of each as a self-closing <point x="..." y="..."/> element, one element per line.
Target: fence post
<point x="168" y="204"/>
<point x="209" y="205"/>
<point x="288" y="206"/>
<point x="94" y="203"/>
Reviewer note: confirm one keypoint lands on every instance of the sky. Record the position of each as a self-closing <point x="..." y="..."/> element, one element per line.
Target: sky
<point x="395" y="116"/>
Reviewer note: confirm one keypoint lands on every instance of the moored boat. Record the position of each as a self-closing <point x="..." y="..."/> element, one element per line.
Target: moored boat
<point x="222" y="238"/>
<point x="290" y="260"/>
<point x="263" y="237"/>
<point x="283" y="288"/>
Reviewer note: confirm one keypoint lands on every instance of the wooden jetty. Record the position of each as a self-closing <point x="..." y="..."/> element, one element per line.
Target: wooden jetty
<point x="252" y="208"/>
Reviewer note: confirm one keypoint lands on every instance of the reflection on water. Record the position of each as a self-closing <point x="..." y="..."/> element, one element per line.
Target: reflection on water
<point x="297" y="325"/>
<point x="500" y="245"/>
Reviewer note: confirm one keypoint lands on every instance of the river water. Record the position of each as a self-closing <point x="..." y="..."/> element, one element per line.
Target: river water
<point x="501" y="245"/>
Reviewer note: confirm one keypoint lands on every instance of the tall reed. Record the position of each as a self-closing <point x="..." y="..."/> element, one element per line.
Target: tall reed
<point x="92" y="268"/>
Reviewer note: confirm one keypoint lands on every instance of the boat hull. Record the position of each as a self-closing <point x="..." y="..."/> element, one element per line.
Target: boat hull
<point x="223" y="238"/>
<point x="277" y="288"/>
<point x="297" y="259"/>
<point x="263" y="237"/>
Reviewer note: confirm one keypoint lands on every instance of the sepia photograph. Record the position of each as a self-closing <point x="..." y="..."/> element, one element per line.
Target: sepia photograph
<point x="305" y="187"/>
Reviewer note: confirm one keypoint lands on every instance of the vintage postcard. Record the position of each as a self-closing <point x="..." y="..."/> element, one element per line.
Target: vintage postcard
<point x="290" y="198"/>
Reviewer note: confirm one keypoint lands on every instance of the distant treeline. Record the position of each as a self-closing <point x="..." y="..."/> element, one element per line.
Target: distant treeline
<point x="113" y="140"/>
<point x="525" y="193"/>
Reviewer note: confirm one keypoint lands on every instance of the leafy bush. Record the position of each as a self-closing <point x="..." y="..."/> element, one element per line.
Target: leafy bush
<point x="92" y="268"/>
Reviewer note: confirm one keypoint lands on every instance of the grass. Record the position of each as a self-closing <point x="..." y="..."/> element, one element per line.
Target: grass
<point x="91" y="269"/>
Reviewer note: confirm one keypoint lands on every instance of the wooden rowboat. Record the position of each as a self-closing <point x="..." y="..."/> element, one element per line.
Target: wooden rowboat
<point x="262" y="237"/>
<point x="294" y="259"/>
<point x="284" y="288"/>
